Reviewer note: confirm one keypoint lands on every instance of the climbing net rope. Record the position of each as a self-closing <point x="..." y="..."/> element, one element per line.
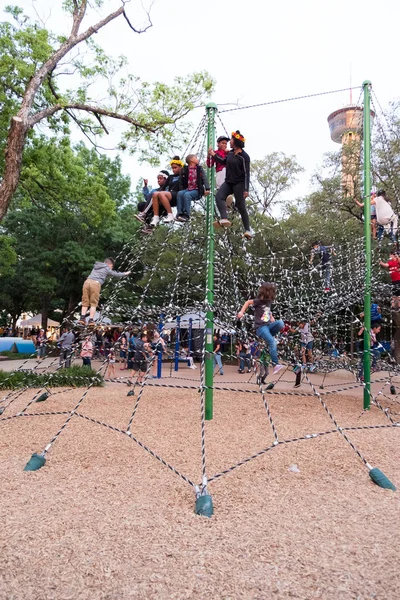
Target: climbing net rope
<point x="169" y="280"/>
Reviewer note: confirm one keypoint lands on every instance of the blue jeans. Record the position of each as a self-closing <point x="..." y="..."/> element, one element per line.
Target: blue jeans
<point x="218" y="361"/>
<point x="267" y="333"/>
<point x="184" y="200"/>
<point x="244" y="358"/>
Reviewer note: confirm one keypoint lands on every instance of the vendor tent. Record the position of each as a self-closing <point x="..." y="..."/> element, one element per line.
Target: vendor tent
<point x="36" y="321"/>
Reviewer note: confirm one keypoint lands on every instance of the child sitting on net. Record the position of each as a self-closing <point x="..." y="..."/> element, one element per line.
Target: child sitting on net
<point x="218" y="158"/>
<point x="193" y="184"/>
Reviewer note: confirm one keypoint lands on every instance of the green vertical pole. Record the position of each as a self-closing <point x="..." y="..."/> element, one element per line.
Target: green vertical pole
<point x="367" y="234"/>
<point x="209" y="348"/>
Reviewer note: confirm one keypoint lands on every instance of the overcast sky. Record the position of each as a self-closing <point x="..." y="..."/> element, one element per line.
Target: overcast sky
<point x="259" y="51"/>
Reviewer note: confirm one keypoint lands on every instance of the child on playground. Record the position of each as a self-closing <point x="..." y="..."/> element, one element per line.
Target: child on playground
<point x="87" y="351"/>
<point x="306" y="343"/>
<point x="218" y="158"/>
<point x="266" y="326"/>
<point x="145" y="208"/>
<point x="193" y="184"/>
<point x="217" y="353"/>
<point x="375" y="329"/>
<point x="167" y="198"/>
<point x="91" y="287"/>
<point x="237" y="182"/>
<point x="393" y="264"/>
<point x="325" y="253"/>
<point x="111" y="364"/>
<point x="139" y="363"/>
<point x="263" y="366"/>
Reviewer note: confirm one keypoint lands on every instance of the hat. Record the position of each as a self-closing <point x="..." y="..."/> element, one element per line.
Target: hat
<point x="222" y="138"/>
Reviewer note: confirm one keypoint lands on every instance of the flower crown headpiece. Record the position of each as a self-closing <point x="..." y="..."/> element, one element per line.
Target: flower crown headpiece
<point x="238" y="136"/>
<point x="177" y="162"/>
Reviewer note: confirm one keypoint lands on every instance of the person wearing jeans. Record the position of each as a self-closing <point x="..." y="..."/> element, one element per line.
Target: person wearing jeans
<point x="266" y="325"/>
<point x="193" y="184"/>
<point x="217" y="354"/>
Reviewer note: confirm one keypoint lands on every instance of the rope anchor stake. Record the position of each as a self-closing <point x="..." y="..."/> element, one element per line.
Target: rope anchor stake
<point x="204" y="504"/>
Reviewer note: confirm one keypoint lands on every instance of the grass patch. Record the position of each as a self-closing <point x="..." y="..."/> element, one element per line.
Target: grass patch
<point x="18" y="355"/>
<point x="72" y="377"/>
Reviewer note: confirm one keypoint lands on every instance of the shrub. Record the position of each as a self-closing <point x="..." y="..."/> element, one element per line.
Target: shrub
<point x="72" y="377"/>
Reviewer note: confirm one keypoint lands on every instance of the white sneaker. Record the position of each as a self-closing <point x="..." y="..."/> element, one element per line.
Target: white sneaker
<point x="277" y="368"/>
<point x="170" y="218"/>
<point x="155" y="221"/>
<point x="225" y="223"/>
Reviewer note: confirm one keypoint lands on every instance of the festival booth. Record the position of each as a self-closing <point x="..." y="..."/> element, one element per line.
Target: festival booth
<point x="36" y="322"/>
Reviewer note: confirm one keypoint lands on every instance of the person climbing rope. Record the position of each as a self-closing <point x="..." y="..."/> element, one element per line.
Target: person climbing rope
<point x="386" y="218"/>
<point x="237" y="182"/>
<point x="92" y="286"/>
<point x="325" y="253"/>
<point x="266" y="326"/>
<point x="393" y="264"/>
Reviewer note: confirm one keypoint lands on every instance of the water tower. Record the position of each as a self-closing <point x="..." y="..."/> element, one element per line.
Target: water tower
<point x="345" y="126"/>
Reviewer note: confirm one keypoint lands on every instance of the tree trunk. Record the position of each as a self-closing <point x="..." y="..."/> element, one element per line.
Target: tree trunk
<point x="13" y="155"/>
<point x="45" y="312"/>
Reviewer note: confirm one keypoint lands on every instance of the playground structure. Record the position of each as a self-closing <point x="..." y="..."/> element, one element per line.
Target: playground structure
<point x="218" y="308"/>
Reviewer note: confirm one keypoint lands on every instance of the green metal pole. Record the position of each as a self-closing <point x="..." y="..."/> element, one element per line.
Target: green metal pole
<point x="209" y="348"/>
<point x="367" y="234"/>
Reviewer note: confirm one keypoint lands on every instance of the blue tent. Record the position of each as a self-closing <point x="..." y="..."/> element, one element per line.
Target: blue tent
<point x="16" y="344"/>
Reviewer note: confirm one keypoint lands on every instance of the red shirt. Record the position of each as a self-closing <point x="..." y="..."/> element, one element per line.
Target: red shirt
<point x="192" y="178"/>
<point x="211" y="161"/>
<point x="394" y="270"/>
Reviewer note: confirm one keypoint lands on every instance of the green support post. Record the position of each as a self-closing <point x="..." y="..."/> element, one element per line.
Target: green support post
<point x="367" y="234"/>
<point x="209" y="325"/>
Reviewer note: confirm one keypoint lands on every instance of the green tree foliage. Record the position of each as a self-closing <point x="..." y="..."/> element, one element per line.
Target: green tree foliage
<point x="271" y="176"/>
<point x="34" y="70"/>
<point x="72" y="208"/>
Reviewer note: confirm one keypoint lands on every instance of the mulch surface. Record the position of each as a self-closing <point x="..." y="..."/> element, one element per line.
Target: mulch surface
<point x="105" y="520"/>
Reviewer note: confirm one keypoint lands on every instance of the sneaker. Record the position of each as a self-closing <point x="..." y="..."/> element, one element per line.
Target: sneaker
<point x="180" y="218"/>
<point x="327" y="289"/>
<point x="82" y="322"/>
<point x="140" y="217"/>
<point x="155" y="221"/>
<point x="249" y="370"/>
<point x="248" y="235"/>
<point x="278" y="368"/>
<point x="170" y="218"/>
<point x="240" y="371"/>
<point x="297" y="385"/>
<point x="193" y="367"/>
<point x="225" y="223"/>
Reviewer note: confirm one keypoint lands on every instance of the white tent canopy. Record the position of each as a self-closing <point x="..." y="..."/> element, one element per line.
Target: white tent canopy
<point x="198" y="322"/>
<point x="36" y="321"/>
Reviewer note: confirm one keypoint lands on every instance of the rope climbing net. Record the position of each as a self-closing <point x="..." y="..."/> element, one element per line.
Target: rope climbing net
<point x="170" y="272"/>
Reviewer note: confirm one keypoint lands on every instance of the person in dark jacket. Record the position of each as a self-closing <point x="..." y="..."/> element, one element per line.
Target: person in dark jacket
<point x="167" y="198"/>
<point x="237" y="182"/>
<point x="92" y="286"/>
<point x="193" y="184"/>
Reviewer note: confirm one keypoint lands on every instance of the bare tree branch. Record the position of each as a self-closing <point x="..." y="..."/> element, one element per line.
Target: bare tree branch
<point x="51" y="110"/>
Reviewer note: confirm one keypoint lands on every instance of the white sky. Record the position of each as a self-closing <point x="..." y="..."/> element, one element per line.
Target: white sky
<point x="259" y="51"/>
